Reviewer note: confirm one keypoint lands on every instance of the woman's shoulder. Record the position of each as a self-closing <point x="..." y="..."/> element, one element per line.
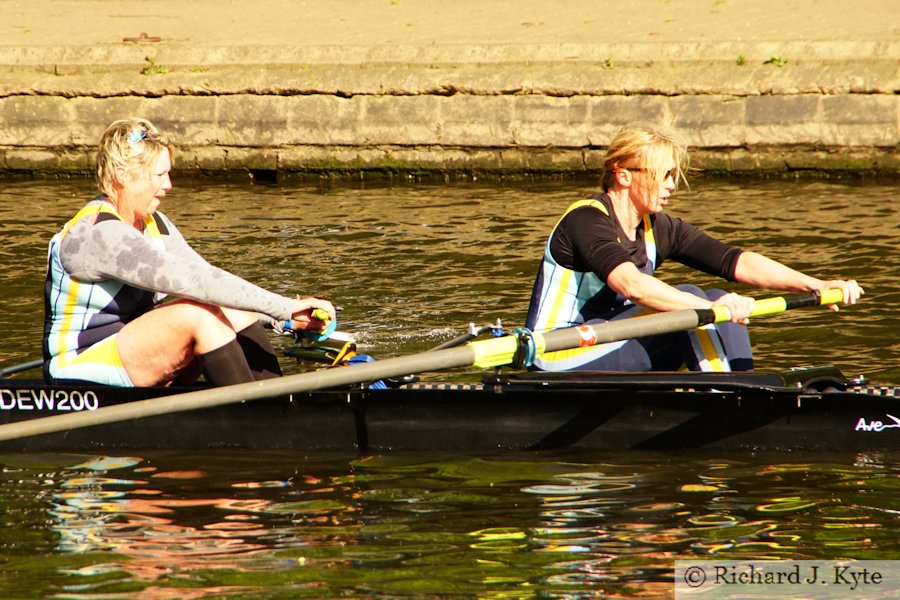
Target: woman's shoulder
<point x="597" y="207"/>
<point x="591" y="220"/>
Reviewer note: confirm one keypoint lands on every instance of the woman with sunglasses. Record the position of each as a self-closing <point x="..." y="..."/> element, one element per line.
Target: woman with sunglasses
<point x="599" y="265"/>
<point x="129" y="303"/>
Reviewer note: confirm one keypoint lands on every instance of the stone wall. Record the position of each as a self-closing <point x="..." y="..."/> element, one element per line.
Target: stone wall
<point x="532" y="110"/>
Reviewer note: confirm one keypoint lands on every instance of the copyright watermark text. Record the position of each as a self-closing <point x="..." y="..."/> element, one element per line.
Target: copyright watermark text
<point x="808" y="578"/>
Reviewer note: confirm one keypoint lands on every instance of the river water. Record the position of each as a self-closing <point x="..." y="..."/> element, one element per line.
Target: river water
<point x="411" y="265"/>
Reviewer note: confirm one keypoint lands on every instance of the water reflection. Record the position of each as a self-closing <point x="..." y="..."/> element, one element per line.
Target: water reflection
<point x="730" y="510"/>
<point x="153" y="530"/>
<point x="536" y="524"/>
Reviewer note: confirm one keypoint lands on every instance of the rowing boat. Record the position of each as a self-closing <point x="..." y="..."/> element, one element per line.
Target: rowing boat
<point x="339" y="409"/>
<point x="802" y="409"/>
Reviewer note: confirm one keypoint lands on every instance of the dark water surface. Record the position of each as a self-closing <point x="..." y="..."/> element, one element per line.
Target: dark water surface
<point x="412" y="265"/>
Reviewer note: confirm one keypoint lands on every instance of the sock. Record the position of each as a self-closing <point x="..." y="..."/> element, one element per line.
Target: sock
<point x="258" y="351"/>
<point x="225" y="365"/>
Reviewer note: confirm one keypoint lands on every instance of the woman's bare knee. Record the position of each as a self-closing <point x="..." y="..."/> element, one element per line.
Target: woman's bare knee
<point x="198" y="328"/>
<point x="159" y="344"/>
<point x="240" y="319"/>
<point x="208" y="325"/>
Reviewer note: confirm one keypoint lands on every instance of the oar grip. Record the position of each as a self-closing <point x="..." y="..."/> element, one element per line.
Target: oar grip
<point x="321" y="314"/>
<point x="761" y="308"/>
<point x="769" y="306"/>
<point x="832" y="296"/>
<point x="773" y="306"/>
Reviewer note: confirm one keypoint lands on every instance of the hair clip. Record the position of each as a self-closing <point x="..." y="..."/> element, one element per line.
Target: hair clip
<point x="137" y="135"/>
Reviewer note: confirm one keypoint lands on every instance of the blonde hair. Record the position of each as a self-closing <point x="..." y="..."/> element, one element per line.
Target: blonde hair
<point x="130" y="144"/>
<point x="646" y="147"/>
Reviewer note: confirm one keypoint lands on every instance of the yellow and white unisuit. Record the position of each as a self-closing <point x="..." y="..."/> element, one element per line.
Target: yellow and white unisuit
<point x="83" y="317"/>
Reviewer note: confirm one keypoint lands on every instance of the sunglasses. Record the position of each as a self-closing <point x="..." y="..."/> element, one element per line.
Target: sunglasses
<point x="671" y="173"/>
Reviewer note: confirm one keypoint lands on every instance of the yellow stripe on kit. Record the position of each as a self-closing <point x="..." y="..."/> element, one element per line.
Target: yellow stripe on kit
<point x="710" y="350"/>
<point x="68" y="316"/>
<point x="105" y="352"/>
<point x="74" y="287"/>
<point x="94" y="209"/>
<point x="561" y="290"/>
<point x="101" y="363"/>
<point x="591" y="202"/>
<point x="649" y="238"/>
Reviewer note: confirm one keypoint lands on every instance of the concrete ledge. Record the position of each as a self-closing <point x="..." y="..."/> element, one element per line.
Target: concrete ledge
<point x="562" y="79"/>
<point x="97" y="57"/>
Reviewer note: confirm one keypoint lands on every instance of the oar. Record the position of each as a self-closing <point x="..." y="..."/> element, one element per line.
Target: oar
<point x="470" y="335"/>
<point x="483" y="354"/>
<point x="25" y="366"/>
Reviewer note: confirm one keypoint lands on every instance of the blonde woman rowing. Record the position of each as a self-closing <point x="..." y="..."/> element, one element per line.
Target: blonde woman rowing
<point x="130" y="303"/>
<point x="600" y="260"/>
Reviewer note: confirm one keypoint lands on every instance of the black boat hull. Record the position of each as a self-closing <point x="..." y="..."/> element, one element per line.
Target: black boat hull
<point x="676" y="411"/>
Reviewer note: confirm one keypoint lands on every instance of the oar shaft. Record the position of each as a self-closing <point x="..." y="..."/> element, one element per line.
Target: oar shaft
<point x="25" y="366"/>
<point x="268" y="388"/>
<point x="498" y="352"/>
<point x="494" y="352"/>
<point x="613" y="331"/>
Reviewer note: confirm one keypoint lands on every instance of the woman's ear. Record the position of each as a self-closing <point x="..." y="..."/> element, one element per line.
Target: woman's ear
<point x="121" y="176"/>
<point x="623" y="177"/>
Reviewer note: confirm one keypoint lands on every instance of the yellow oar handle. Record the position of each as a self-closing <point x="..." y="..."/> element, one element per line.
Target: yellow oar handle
<point x="773" y="306"/>
<point x="833" y="296"/>
<point x="321" y="314"/>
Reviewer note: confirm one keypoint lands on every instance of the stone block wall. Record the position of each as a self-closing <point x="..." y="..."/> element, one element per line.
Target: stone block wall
<point x="232" y="112"/>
